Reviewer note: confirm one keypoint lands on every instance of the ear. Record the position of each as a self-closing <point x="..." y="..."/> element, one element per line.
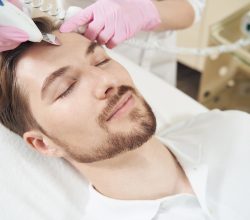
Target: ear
<point x="37" y="141"/>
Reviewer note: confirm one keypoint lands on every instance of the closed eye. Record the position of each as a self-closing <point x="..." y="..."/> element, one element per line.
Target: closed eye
<point x="70" y="88"/>
<point x="103" y="62"/>
<point x="67" y="91"/>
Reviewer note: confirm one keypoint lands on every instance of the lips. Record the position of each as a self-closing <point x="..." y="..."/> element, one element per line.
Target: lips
<point x="125" y="98"/>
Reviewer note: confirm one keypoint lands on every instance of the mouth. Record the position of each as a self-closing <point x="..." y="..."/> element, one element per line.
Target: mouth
<point x="125" y="103"/>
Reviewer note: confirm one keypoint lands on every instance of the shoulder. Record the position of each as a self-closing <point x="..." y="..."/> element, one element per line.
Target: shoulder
<point x="226" y="118"/>
<point x="222" y="128"/>
<point x="212" y="123"/>
<point x="215" y="134"/>
<point x="225" y="122"/>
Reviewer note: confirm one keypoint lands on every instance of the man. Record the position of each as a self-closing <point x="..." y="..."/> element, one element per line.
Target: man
<point x="75" y="102"/>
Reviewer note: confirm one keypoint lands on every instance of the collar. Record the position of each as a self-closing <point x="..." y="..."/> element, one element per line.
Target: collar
<point x="113" y="209"/>
<point x="100" y="205"/>
<point x="189" y="155"/>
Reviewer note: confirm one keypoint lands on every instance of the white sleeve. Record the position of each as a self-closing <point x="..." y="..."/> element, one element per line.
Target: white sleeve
<point x="198" y="6"/>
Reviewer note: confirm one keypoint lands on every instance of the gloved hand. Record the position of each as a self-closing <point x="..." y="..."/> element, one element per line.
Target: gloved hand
<point x="112" y="21"/>
<point x="11" y="37"/>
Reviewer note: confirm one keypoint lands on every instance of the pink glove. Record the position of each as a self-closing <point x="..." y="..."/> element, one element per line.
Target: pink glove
<point x="112" y="21"/>
<point x="11" y="37"/>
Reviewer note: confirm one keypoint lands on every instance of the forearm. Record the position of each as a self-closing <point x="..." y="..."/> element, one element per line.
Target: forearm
<point x="175" y="14"/>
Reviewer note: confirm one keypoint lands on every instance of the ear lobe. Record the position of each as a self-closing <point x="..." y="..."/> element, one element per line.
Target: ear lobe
<point x="36" y="140"/>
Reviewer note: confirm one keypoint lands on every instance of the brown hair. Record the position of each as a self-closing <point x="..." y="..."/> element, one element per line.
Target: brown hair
<point x="15" y="113"/>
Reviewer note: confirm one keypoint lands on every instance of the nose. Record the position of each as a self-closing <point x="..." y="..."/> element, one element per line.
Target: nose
<point x="107" y="84"/>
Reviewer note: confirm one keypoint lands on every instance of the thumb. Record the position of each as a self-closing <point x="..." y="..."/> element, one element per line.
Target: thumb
<point x="83" y="17"/>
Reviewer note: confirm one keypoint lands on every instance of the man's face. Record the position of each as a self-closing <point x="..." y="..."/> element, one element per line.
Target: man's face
<point x="85" y="101"/>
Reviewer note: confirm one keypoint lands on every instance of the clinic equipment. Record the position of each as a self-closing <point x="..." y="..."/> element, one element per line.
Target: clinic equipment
<point x="51" y="39"/>
<point x="10" y="15"/>
<point x="245" y="24"/>
<point x="225" y="80"/>
<point x="208" y="51"/>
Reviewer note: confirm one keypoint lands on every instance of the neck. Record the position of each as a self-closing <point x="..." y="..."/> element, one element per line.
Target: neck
<point x="149" y="172"/>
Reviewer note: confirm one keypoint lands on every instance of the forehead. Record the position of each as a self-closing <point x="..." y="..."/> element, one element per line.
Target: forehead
<point x="41" y="59"/>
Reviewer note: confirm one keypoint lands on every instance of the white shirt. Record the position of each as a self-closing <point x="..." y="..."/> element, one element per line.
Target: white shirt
<point x="214" y="151"/>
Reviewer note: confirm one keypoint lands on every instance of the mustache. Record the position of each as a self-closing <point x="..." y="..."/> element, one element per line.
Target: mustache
<point x="113" y="100"/>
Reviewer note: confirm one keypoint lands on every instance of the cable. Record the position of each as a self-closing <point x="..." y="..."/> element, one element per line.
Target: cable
<point x="207" y="51"/>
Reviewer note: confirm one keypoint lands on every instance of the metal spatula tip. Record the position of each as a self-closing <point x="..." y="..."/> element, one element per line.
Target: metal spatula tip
<point x="51" y="39"/>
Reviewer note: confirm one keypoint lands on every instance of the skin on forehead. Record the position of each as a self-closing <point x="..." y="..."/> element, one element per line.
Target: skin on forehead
<point x="46" y="58"/>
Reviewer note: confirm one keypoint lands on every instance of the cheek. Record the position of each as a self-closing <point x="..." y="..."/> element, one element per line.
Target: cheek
<point x="124" y="75"/>
<point x="73" y="119"/>
<point x="71" y="115"/>
<point x="70" y="123"/>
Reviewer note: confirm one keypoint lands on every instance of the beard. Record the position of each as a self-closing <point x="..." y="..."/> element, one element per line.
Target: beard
<point x="115" y="143"/>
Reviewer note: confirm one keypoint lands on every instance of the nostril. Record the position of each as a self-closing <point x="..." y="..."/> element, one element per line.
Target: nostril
<point x="108" y="91"/>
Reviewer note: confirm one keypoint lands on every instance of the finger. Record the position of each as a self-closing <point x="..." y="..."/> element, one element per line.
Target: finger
<point x="107" y="33"/>
<point x="94" y="28"/>
<point x="14" y="34"/>
<point x="8" y="46"/>
<point x="111" y="44"/>
<point x="80" y="19"/>
<point x="118" y="38"/>
<point x="11" y="38"/>
<point x="122" y="32"/>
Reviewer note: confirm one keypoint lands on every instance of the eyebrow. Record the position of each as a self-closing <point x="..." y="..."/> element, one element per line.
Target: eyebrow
<point x="61" y="71"/>
<point x="91" y="48"/>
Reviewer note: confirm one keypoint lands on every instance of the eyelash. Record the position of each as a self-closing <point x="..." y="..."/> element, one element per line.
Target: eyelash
<point x="70" y="88"/>
<point x="68" y="91"/>
<point x="103" y="62"/>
